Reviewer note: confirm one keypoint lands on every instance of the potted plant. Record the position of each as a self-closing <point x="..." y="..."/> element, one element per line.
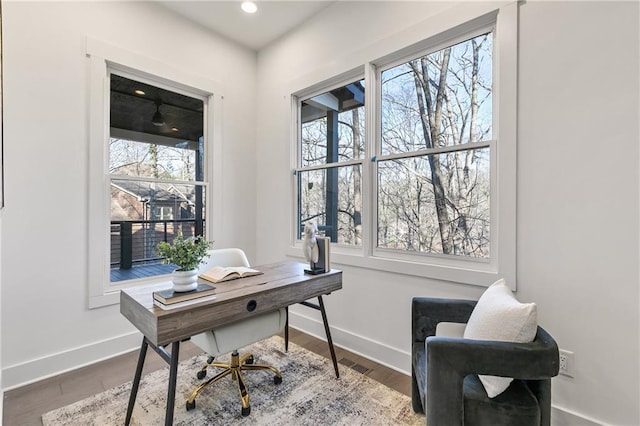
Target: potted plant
<point x="187" y="254"/>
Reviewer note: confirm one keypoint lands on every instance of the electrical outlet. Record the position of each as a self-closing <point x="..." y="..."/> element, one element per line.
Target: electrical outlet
<point x="566" y="363"/>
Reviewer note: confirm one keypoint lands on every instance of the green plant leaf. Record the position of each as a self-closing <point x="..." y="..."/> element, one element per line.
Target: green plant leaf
<point x="185" y="253"/>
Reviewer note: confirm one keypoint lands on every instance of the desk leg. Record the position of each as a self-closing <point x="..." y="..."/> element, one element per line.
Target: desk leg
<point x="173" y="375"/>
<point x="136" y="380"/>
<point x="328" y="332"/>
<point x="286" y="331"/>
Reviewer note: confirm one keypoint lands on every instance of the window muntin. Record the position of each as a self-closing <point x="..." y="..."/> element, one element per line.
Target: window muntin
<point x="331" y="152"/>
<point x="156" y="173"/>
<point x="436" y="120"/>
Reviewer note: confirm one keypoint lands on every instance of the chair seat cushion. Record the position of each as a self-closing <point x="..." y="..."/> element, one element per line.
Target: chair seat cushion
<point x="516" y="406"/>
<point x="242" y="333"/>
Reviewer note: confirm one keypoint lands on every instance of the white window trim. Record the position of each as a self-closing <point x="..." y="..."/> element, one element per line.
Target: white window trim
<point x="103" y="58"/>
<point x="461" y="20"/>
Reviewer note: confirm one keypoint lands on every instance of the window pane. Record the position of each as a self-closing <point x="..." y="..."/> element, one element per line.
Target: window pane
<point x="436" y="203"/>
<point x="157" y="134"/>
<point x="438" y="100"/>
<point x="132" y="158"/>
<point x="154" y="132"/>
<point x="146" y="213"/>
<point x="332" y="126"/>
<point x="332" y="198"/>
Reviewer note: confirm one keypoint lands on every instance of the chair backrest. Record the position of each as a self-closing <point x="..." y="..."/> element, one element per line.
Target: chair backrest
<point x="225" y="257"/>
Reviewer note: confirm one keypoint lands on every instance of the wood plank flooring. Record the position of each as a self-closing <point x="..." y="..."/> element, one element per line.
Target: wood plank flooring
<point x="24" y="406"/>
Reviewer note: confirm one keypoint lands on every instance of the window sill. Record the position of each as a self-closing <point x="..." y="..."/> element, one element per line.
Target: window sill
<point x="460" y="275"/>
<point x="106" y="299"/>
<point x="111" y="295"/>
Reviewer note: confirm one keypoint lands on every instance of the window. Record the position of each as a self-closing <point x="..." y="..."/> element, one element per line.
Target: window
<point x="418" y="187"/>
<point x="152" y="131"/>
<point x="156" y="170"/>
<point x="332" y="148"/>
<point x="433" y="192"/>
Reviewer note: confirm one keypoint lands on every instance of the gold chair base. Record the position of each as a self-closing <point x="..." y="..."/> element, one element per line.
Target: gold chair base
<point x="234" y="368"/>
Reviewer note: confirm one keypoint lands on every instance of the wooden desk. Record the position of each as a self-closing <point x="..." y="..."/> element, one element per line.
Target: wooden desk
<point x="281" y="285"/>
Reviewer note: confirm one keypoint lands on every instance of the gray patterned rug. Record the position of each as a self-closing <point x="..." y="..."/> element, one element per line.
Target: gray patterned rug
<point x="309" y="395"/>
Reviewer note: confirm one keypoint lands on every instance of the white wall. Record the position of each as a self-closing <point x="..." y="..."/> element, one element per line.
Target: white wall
<point x="577" y="204"/>
<point x="577" y="184"/>
<point x="46" y="326"/>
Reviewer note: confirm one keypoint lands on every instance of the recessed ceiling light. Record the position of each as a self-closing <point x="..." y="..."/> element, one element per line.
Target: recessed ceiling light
<point x="249" y="6"/>
<point x="174" y="129"/>
<point x="139" y="92"/>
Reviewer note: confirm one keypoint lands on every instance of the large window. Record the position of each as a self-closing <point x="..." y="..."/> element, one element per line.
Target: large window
<point x="426" y="184"/>
<point x="151" y="132"/>
<point x="435" y="141"/>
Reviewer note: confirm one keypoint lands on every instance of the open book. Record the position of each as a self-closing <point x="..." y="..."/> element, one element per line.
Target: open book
<point x="219" y="273"/>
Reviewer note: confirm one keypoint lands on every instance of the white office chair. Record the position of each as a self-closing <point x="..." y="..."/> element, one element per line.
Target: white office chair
<point x="233" y="336"/>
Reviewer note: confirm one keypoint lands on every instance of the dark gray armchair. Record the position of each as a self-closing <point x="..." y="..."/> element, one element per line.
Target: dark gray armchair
<point x="445" y="371"/>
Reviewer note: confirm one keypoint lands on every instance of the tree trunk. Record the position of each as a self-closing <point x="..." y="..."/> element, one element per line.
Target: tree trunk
<point x="431" y="119"/>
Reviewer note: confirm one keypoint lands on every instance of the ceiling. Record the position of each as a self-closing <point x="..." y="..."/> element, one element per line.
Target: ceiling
<point x="181" y="116"/>
<point x="272" y="20"/>
<point x="132" y="114"/>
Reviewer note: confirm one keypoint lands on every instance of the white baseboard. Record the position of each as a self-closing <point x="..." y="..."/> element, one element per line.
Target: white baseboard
<point x="379" y="352"/>
<point x="563" y="417"/>
<point x="38" y="369"/>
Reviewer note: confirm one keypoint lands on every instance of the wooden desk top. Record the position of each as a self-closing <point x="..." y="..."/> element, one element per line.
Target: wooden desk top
<point x="281" y="285"/>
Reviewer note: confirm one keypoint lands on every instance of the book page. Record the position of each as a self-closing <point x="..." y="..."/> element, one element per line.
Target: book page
<point x="219" y="273"/>
<point x="243" y="271"/>
<point x="216" y="273"/>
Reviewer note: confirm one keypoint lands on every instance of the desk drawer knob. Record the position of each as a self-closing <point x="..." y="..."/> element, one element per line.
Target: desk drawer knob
<point x="252" y="305"/>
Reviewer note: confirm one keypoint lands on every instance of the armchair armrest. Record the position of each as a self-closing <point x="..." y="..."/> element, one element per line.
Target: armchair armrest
<point x="449" y="360"/>
<point x="531" y="361"/>
<point x="427" y="312"/>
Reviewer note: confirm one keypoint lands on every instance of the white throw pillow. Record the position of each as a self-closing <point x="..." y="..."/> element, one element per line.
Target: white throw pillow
<point x="499" y="316"/>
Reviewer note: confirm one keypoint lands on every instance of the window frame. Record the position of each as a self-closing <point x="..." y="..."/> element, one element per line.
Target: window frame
<point x="103" y="59"/>
<point x="437" y="259"/>
<point x="503" y="21"/>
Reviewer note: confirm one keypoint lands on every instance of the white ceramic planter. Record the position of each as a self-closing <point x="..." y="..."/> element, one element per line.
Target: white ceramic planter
<point x="185" y="280"/>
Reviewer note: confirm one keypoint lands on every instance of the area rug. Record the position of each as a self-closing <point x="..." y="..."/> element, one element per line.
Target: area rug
<point x="309" y="394"/>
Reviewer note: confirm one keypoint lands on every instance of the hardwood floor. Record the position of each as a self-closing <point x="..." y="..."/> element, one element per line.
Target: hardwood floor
<point x="24" y="406"/>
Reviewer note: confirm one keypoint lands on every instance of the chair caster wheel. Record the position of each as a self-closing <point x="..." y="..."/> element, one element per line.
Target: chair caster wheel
<point x="277" y="380"/>
<point x="201" y="374"/>
<point x="191" y="405"/>
<point x="210" y="360"/>
<point x="246" y="411"/>
<point x="249" y="360"/>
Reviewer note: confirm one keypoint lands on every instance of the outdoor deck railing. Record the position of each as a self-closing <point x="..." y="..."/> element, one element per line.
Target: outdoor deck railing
<point x="135" y="242"/>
